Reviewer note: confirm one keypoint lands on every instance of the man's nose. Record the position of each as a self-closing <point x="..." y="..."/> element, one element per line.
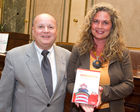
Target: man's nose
<point x="46" y="29"/>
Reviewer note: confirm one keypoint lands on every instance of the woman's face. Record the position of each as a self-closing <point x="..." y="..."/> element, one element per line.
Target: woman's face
<point x="101" y="25"/>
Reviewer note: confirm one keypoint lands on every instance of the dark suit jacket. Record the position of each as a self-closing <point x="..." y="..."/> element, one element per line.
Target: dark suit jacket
<point x="22" y="86"/>
<point x="120" y="73"/>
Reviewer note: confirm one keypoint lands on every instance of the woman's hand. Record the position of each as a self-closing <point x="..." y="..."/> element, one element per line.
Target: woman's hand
<point x="77" y="104"/>
<point x="99" y="97"/>
<point x="85" y="107"/>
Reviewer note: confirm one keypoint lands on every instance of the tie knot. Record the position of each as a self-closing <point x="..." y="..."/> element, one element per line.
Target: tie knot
<point x="45" y="52"/>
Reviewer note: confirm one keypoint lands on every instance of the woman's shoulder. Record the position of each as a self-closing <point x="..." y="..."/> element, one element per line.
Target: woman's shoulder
<point x="126" y="54"/>
<point x="126" y="51"/>
<point x="75" y="49"/>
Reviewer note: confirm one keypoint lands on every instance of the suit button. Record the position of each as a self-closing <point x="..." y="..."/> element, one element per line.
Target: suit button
<point x="48" y="105"/>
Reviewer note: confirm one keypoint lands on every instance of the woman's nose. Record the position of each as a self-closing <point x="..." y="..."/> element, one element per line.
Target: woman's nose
<point x="100" y="25"/>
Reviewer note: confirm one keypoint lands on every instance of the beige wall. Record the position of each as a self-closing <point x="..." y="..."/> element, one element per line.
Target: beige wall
<point x="60" y="9"/>
<point x="57" y="8"/>
<point x="78" y="9"/>
<point x="130" y="13"/>
<point x="53" y="7"/>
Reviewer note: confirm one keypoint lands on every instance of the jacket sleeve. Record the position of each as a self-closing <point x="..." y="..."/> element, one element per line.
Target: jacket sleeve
<point x="7" y="83"/>
<point x="123" y="86"/>
<point x="71" y="69"/>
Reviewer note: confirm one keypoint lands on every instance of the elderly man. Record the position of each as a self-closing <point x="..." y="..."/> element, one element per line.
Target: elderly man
<point x="34" y="76"/>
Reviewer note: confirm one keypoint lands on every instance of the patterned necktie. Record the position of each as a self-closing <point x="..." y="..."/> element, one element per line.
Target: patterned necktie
<point x="46" y="70"/>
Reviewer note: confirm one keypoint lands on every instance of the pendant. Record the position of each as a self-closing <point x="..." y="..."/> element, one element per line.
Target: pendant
<point x="97" y="64"/>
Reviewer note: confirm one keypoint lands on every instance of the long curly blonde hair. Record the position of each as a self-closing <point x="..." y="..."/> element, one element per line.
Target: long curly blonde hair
<point x="114" y="45"/>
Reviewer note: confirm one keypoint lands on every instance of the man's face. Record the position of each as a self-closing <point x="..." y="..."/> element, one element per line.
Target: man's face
<point x="44" y="31"/>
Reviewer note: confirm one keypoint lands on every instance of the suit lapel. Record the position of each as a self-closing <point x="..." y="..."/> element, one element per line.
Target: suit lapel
<point x="34" y="67"/>
<point x="85" y="60"/>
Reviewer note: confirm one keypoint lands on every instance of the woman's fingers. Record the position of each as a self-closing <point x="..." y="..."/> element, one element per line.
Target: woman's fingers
<point x="87" y="108"/>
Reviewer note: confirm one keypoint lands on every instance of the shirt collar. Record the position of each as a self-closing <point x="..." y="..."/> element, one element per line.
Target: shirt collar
<point x="40" y="50"/>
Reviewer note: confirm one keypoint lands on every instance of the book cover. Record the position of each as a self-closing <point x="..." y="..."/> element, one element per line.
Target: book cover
<point x="86" y="86"/>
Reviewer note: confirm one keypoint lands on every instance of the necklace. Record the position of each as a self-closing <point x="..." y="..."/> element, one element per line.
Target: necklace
<point x="96" y="63"/>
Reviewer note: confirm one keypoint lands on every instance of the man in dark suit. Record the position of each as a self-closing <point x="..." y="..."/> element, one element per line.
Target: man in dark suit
<point x="22" y="85"/>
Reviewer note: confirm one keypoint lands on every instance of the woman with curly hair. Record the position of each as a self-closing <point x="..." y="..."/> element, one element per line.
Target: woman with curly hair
<point x="101" y="48"/>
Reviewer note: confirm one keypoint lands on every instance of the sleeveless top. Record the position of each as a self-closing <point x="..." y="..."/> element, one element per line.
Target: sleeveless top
<point x="104" y="77"/>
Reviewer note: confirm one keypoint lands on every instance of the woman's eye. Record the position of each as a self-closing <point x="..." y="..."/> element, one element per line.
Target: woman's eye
<point x="95" y="21"/>
<point x="106" y="22"/>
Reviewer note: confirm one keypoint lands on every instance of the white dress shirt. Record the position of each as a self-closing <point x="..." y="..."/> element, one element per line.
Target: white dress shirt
<point x="51" y="57"/>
